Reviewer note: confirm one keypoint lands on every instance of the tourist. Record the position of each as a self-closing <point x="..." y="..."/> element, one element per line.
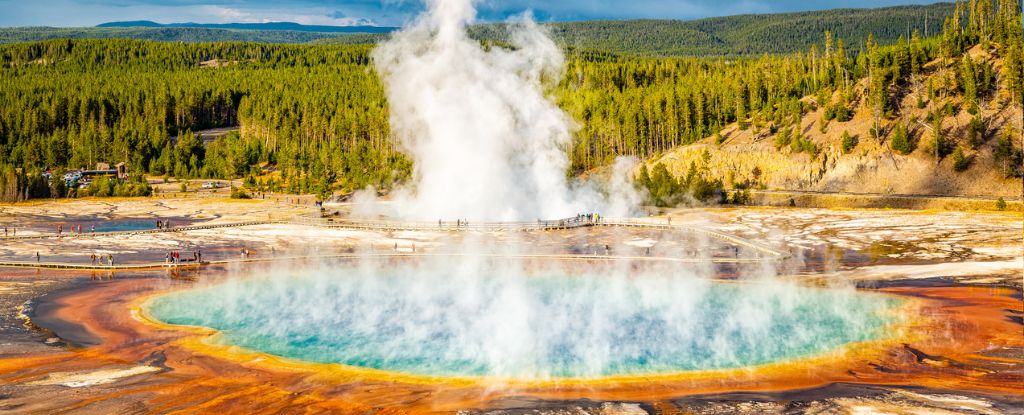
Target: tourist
<point x="92" y="228"/>
<point x="167" y="257"/>
<point x="94" y="259"/>
<point x="5" y="229"/>
<point x="37" y="256"/>
<point x="199" y="256"/>
<point x="110" y="259"/>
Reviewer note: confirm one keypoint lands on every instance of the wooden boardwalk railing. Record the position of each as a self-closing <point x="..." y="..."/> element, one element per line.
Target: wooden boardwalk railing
<point x="140" y="231"/>
<point x="544" y="225"/>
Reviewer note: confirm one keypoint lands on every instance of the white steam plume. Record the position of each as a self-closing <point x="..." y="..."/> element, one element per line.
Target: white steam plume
<point x="487" y="142"/>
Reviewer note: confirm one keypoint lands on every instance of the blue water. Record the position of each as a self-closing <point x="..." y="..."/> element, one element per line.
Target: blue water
<point x="120" y="225"/>
<point x="537" y="326"/>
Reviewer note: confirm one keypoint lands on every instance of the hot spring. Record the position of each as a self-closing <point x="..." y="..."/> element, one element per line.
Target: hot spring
<point x="509" y="322"/>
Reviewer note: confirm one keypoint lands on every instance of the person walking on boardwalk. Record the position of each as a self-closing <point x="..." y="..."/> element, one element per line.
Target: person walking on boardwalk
<point x="93" y="259"/>
<point x="110" y="260"/>
<point x="37" y="257"/>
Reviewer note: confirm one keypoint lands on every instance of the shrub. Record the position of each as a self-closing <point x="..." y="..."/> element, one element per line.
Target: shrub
<point x="1000" y="204"/>
<point x="239" y="193"/>
<point x="975" y="132"/>
<point x="848" y="142"/>
<point x="960" y="162"/>
<point x="783" y="138"/>
<point x="837" y="112"/>
<point x="104" y="187"/>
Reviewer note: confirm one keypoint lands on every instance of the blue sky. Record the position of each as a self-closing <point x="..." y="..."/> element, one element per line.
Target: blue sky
<point x="384" y="12"/>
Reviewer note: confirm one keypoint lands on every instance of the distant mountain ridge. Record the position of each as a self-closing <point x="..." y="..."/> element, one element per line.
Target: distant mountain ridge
<point x="741" y="35"/>
<point x="271" y="26"/>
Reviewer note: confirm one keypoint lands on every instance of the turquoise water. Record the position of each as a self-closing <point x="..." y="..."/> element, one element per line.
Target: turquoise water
<point x="537" y="326"/>
<point x="121" y="225"/>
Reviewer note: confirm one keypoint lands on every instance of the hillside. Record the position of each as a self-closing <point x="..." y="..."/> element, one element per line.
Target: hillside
<point x="750" y="157"/>
<point x="269" y="26"/>
<point x="172" y="34"/>
<point x="718" y="36"/>
<point x="742" y="35"/>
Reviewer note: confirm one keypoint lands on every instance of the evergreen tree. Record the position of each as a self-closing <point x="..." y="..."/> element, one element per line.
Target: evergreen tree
<point x="960" y="162"/>
<point x="900" y="140"/>
<point x="969" y="82"/>
<point x="848" y="142"/>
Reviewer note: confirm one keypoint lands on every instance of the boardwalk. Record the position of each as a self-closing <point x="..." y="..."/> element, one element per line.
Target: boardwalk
<point x="762" y="252"/>
<point x="545" y="225"/>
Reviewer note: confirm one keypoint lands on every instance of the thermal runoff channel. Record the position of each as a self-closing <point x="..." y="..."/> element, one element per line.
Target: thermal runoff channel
<point x="545" y="324"/>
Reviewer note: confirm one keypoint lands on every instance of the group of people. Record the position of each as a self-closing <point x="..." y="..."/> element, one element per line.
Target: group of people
<point x="98" y="259"/>
<point x="13" y="229"/>
<point x="174" y="257"/>
<point x="163" y="224"/>
<point x="413" y="247"/>
<point x="75" y="229"/>
<point x="458" y="223"/>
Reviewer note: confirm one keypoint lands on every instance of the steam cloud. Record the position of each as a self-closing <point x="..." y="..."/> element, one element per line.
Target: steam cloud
<point x="486" y="141"/>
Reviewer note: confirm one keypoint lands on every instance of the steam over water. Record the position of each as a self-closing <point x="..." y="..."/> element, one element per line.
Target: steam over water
<point x="548" y="324"/>
<point x="488" y="144"/>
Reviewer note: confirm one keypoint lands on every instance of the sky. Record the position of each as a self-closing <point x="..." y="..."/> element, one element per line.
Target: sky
<point x="73" y="13"/>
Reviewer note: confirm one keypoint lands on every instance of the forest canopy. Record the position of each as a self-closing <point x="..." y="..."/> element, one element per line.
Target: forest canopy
<point x="317" y="114"/>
